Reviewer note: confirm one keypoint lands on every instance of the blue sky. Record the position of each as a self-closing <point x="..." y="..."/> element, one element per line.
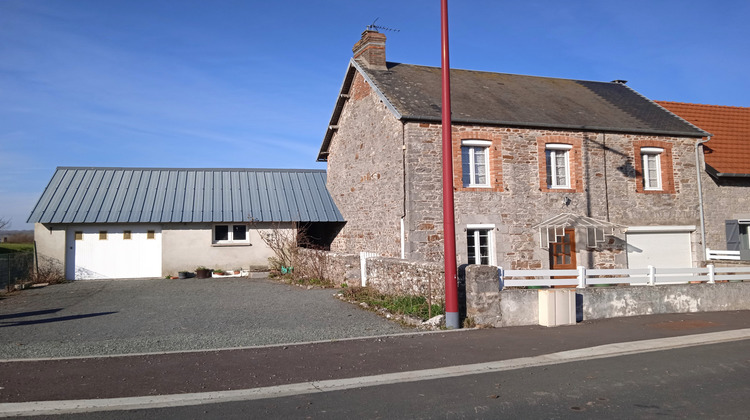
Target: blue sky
<point x="242" y="83"/>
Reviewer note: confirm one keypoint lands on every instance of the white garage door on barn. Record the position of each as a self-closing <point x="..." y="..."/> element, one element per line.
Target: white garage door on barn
<point x="106" y="252"/>
<point x="659" y="246"/>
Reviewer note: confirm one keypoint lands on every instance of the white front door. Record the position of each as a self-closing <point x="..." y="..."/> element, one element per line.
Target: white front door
<point x="105" y="252"/>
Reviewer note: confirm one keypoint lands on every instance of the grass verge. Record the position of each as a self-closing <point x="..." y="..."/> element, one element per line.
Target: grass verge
<point x="7" y="248"/>
<point x="412" y="306"/>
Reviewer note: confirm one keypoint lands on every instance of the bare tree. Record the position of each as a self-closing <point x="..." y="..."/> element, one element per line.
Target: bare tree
<point x="4" y="223"/>
<point x="282" y="242"/>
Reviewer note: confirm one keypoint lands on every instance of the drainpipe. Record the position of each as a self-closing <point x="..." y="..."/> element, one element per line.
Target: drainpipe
<point x="698" y="167"/>
<point x="403" y="184"/>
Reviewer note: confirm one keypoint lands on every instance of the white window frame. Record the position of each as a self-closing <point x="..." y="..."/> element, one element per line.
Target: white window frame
<point x="472" y="146"/>
<point x="551" y="152"/>
<point x="490" y="229"/>
<point x="230" y="235"/>
<point x="655" y="152"/>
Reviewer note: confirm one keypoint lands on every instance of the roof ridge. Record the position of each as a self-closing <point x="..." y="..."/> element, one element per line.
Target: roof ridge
<point x="500" y="72"/>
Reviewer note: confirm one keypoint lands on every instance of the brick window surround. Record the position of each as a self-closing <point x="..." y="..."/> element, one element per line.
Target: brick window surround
<point x="574" y="162"/>
<point x="495" y="178"/>
<point x="665" y="161"/>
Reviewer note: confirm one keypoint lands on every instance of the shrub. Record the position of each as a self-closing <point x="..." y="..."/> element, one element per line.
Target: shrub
<point x="49" y="271"/>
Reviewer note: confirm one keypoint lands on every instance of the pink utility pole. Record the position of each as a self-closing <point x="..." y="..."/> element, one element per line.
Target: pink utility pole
<point x="449" y="225"/>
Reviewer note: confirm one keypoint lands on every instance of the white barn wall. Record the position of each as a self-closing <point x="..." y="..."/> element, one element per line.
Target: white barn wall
<point x="187" y="246"/>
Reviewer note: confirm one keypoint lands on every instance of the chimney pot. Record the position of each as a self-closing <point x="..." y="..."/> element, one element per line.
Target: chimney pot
<point x="370" y="50"/>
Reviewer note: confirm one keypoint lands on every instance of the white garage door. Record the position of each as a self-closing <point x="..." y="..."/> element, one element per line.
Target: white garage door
<point x="659" y="249"/>
<point x="105" y="252"/>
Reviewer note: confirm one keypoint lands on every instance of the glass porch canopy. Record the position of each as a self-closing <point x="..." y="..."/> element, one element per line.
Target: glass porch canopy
<point x="553" y="229"/>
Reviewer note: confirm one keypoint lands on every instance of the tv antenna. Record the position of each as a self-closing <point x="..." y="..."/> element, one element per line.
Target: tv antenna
<point x="378" y="27"/>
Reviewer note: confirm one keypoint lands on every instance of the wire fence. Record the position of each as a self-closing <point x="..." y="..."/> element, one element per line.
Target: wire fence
<point x="14" y="267"/>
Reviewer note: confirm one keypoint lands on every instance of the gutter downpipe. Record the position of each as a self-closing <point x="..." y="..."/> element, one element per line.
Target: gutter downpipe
<point x="449" y="223"/>
<point x="698" y="166"/>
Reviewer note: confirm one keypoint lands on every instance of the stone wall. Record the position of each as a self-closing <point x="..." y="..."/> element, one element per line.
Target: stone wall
<point x="486" y="305"/>
<point x="400" y="277"/>
<point x="386" y="275"/>
<point x="605" y="187"/>
<point x="338" y="268"/>
<point x="365" y="174"/>
<point x="724" y="199"/>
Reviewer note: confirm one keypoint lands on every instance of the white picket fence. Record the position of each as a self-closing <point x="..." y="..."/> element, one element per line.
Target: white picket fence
<point x="651" y="276"/>
<point x="720" y="254"/>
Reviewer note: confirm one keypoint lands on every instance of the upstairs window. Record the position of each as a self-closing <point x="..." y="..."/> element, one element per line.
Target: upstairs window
<point x="651" y="158"/>
<point x="230" y="234"/>
<point x="558" y="165"/>
<point x="475" y="163"/>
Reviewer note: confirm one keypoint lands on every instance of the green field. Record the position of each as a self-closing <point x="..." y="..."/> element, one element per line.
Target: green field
<point x="7" y="248"/>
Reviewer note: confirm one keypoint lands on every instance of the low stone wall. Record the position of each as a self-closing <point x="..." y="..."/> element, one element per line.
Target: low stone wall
<point x="336" y="267"/>
<point x="401" y="277"/>
<point x="386" y="275"/>
<point x="486" y="305"/>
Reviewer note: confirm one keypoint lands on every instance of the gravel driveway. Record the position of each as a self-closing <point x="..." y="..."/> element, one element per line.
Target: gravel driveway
<point x="99" y="317"/>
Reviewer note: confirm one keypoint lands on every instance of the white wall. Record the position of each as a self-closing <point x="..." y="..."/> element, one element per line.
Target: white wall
<point x="50" y="244"/>
<point x="187" y="246"/>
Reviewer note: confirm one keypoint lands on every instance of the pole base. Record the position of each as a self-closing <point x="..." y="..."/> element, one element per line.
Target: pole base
<point x="451" y="320"/>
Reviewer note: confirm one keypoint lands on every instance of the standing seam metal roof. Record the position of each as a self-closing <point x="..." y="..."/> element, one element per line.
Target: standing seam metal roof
<point x="163" y="195"/>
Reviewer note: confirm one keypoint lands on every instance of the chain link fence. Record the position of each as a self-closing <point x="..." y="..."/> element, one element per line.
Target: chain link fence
<point x="14" y="267"/>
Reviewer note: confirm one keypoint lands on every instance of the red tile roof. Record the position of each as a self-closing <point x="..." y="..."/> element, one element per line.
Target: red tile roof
<point x="728" y="151"/>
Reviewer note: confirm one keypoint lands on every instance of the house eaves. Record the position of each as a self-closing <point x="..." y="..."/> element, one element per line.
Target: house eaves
<point x="344" y="93"/>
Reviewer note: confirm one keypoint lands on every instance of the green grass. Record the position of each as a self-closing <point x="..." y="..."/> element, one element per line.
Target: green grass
<point x="6" y="248"/>
<point x="415" y="306"/>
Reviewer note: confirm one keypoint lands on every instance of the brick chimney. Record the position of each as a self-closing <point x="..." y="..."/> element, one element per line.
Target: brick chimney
<point x="370" y="50"/>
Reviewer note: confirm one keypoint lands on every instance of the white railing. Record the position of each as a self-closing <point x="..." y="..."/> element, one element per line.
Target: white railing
<point x="718" y="254"/>
<point x="651" y="276"/>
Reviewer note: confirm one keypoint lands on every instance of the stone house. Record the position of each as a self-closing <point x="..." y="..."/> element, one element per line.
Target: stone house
<point x="150" y="222"/>
<point x="726" y="179"/>
<point x="548" y="173"/>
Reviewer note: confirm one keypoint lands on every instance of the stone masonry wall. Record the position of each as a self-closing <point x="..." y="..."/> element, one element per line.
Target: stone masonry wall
<point x="365" y="174"/>
<point x="386" y="275"/>
<point x="723" y="200"/>
<point x="604" y="187"/>
<point x="339" y="268"/>
<point x="400" y="277"/>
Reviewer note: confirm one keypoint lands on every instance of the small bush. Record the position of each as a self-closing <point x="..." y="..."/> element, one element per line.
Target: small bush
<point x="49" y="271"/>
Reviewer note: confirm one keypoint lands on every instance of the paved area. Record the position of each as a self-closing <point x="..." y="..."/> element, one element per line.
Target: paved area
<point x="407" y="354"/>
<point x="137" y="316"/>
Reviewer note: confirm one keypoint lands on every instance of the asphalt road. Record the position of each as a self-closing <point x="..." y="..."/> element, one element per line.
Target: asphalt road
<point x="137" y="316"/>
<point x="709" y="381"/>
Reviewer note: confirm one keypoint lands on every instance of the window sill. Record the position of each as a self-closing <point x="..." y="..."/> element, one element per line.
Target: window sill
<point x="229" y="244"/>
<point x="655" y="192"/>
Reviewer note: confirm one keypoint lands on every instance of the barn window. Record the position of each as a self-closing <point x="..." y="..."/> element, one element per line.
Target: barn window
<point x="230" y="234"/>
<point x="102" y="235"/>
<point x="79" y="236"/>
<point x="126" y="235"/>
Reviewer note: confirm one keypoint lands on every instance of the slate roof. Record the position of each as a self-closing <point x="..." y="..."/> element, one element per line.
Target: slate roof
<point x="162" y="195"/>
<point x="728" y="151"/>
<point x="413" y="94"/>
